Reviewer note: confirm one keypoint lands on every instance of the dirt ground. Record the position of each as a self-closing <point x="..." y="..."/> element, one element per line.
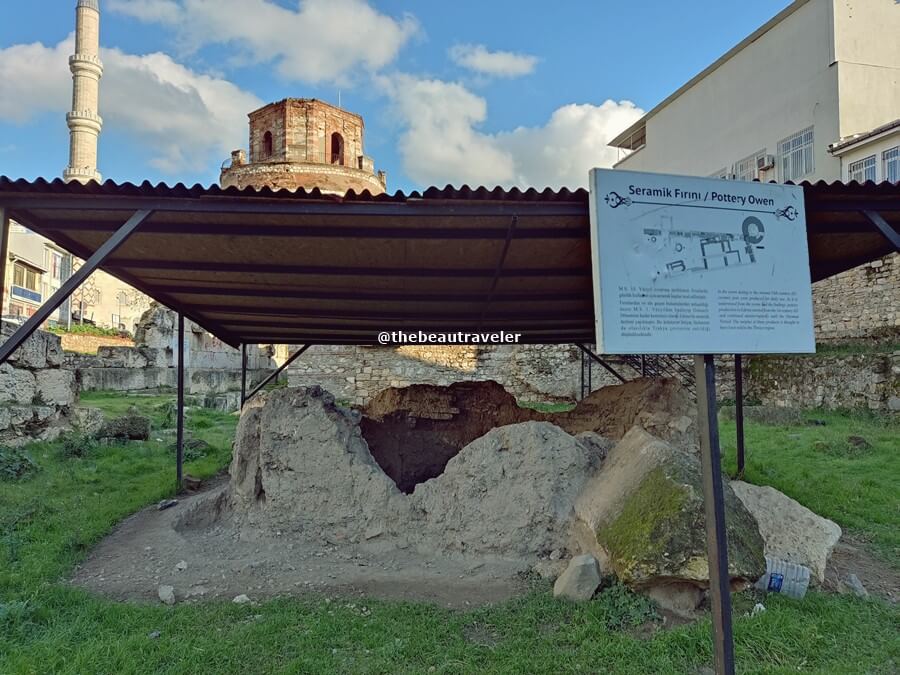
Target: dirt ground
<point x="144" y="552"/>
<point x="851" y="557"/>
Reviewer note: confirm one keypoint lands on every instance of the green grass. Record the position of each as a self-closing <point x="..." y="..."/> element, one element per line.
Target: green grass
<point x="547" y="407"/>
<point x="49" y="521"/>
<point x="858" y="489"/>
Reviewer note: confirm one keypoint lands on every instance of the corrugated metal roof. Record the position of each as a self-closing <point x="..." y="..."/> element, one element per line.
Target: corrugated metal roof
<point x="294" y="266"/>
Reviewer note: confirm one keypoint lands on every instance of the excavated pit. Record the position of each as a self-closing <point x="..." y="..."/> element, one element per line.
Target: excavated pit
<point x="412" y="432"/>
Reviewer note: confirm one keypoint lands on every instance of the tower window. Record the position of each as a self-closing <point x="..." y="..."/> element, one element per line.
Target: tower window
<point x="337" y="148"/>
<point x="267" y="144"/>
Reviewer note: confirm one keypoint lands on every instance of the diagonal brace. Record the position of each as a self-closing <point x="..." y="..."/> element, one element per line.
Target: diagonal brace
<point x="600" y="361"/>
<point x="91" y="264"/>
<point x="274" y="374"/>
<point x="886" y="230"/>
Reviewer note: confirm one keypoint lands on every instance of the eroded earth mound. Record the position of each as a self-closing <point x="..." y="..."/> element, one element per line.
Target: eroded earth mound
<point x="443" y="492"/>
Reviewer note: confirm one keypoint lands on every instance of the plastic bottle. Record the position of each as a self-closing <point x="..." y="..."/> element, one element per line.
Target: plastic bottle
<point x="784" y="577"/>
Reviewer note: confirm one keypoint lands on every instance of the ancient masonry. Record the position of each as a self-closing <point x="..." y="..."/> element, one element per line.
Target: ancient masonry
<point x="36" y="392"/>
<point x="304" y="143"/>
<point x="83" y="120"/>
<point x="861" y="303"/>
<point x="211" y="366"/>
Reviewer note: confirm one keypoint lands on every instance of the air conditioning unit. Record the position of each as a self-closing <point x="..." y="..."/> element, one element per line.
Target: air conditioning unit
<point x="765" y="162"/>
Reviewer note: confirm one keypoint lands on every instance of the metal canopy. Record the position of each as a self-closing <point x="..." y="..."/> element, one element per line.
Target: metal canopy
<point x="303" y="267"/>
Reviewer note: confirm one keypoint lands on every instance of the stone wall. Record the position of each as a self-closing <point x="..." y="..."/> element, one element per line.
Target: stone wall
<point x="541" y="373"/>
<point x="211" y="366"/>
<point x="828" y="381"/>
<point x="36" y="393"/>
<point x="860" y="303"/>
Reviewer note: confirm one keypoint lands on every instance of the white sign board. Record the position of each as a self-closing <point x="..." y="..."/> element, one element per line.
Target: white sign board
<point x="686" y="265"/>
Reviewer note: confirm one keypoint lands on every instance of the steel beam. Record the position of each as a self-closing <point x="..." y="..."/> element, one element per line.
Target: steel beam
<point x="600" y="361"/>
<point x="739" y="413"/>
<point x="367" y="296"/>
<point x="72" y="283"/>
<point x="243" y="373"/>
<point x="264" y="267"/>
<point x="714" y="507"/>
<point x="413" y="206"/>
<point x="275" y="374"/>
<point x="884" y="227"/>
<point x="179" y="441"/>
<point x="331" y="231"/>
<point x="4" y="253"/>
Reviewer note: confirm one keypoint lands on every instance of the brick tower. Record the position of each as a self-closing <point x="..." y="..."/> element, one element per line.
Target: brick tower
<point x="83" y="120"/>
<point x="304" y="143"/>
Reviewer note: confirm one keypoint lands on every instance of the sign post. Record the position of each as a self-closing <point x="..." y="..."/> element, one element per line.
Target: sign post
<point x="686" y="265"/>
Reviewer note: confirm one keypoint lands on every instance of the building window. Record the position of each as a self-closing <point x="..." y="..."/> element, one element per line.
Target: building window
<point x="862" y="170"/>
<point x="54" y="264"/>
<point x="891" y="159"/>
<point x="721" y="174"/>
<point x="25" y="277"/>
<point x="337" y="149"/>
<point x="746" y="169"/>
<point x="795" y="155"/>
<point x="267" y="144"/>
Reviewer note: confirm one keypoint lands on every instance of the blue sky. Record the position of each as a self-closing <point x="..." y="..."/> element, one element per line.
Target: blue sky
<point x="514" y="93"/>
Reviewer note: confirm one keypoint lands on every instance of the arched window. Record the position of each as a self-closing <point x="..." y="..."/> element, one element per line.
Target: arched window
<point x="337" y="148"/>
<point x="267" y="144"/>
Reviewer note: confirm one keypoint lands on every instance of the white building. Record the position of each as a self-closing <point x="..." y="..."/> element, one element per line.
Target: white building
<point x="786" y="103"/>
<point x="814" y="94"/>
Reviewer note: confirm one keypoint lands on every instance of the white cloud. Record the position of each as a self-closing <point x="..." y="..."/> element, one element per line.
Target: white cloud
<point x="191" y="121"/>
<point x="166" y="11"/>
<point x="441" y="143"/>
<point x="498" y="64"/>
<point x="320" y="41"/>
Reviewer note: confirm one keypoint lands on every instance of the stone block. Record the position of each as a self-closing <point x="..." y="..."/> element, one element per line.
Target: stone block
<point x="56" y="387"/>
<point x="16" y="385"/>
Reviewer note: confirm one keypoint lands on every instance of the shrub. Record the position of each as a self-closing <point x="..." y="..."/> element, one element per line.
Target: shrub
<point x="78" y="445"/>
<point x="15" y="464"/>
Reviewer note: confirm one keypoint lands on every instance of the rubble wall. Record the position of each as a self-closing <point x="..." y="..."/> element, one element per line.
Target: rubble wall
<point x="529" y="372"/>
<point x="36" y="392"/>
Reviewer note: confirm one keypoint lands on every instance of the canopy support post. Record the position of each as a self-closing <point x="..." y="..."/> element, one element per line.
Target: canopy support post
<point x="600" y="361"/>
<point x="886" y="230"/>
<point x="739" y="413"/>
<point x="714" y="507"/>
<point x="243" y="374"/>
<point x="179" y="442"/>
<point x="274" y="375"/>
<point x="4" y="254"/>
<point x="90" y="265"/>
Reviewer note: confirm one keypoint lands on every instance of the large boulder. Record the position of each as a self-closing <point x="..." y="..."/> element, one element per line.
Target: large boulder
<point x="645" y="509"/>
<point x="511" y="492"/>
<point x="790" y="530"/>
<point x="301" y="465"/>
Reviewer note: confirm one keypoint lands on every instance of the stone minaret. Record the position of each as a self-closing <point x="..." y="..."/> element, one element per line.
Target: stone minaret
<point x="84" y="122"/>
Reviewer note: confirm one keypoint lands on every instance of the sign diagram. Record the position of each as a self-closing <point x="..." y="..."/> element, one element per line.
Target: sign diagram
<point x="690" y="251"/>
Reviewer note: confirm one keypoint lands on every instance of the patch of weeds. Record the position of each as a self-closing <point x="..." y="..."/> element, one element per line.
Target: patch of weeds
<point x="621" y="608"/>
<point x="194" y="449"/>
<point x="78" y="446"/>
<point x="547" y="407"/>
<point x="853" y="447"/>
<point x="16" y="464"/>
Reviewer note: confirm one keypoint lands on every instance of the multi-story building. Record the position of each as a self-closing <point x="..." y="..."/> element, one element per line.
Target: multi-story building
<point x="814" y="94"/>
